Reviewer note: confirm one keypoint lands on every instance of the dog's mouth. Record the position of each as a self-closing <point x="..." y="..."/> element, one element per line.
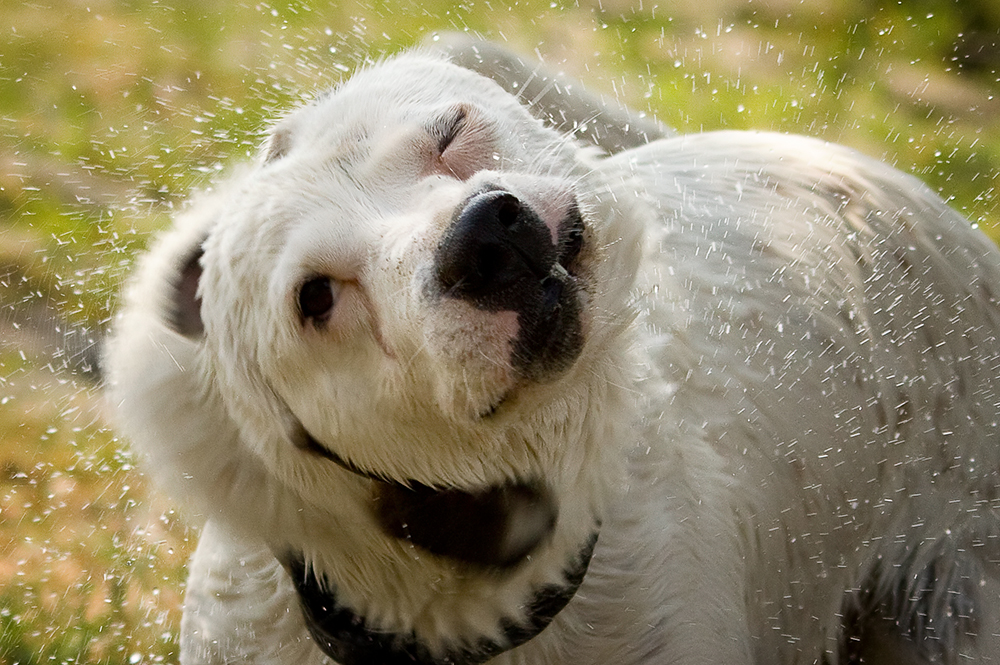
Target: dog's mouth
<point x="493" y="527"/>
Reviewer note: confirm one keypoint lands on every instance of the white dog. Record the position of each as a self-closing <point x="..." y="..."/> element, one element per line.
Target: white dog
<point x="449" y="387"/>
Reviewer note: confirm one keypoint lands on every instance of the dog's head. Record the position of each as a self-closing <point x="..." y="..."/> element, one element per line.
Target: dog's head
<point x="394" y="351"/>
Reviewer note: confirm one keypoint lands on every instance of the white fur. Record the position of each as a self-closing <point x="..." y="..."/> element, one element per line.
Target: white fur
<point x="787" y="390"/>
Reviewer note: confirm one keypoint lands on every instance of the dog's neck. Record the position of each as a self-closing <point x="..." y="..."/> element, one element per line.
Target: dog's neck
<point x="495" y="526"/>
<point x="349" y="639"/>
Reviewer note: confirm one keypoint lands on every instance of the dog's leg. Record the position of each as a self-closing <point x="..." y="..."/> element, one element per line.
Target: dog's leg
<point x="554" y="98"/>
<point x="241" y="607"/>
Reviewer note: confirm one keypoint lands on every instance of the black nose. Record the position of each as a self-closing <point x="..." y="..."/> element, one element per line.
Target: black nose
<point x="495" y="249"/>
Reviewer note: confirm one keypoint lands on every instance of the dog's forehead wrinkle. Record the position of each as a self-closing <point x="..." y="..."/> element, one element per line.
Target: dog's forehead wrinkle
<point x="368" y="105"/>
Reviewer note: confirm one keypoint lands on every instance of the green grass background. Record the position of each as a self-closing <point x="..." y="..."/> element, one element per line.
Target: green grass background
<point x="111" y="112"/>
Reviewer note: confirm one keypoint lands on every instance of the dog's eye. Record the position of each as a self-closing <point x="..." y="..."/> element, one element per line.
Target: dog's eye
<point x="450" y="129"/>
<point x="316" y="299"/>
<point x="464" y="141"/>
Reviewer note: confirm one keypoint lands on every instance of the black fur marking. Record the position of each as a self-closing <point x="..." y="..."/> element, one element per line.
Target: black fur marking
<point x="347" y="638"/>
<point x="495" y="527"/>
<point x="185" y="311"/>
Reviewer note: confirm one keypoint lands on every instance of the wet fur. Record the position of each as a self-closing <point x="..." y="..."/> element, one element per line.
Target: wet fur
<point x="783" y="419"/>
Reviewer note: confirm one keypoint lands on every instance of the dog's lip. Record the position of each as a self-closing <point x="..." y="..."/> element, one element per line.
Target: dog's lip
<point x="571" y="240"/>
<point x="308" y="442"/>
<point x="493" y="407"/>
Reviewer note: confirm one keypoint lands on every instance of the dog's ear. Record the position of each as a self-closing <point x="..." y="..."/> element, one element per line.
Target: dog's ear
<point x="184" y="313"/>
<point x="278" y="143"/>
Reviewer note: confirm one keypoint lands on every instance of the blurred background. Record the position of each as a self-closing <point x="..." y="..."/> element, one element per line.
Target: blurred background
<point x="113" y="111"/>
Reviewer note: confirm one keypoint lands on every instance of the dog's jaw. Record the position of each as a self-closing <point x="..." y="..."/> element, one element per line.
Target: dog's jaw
<point x="351" y="640"/>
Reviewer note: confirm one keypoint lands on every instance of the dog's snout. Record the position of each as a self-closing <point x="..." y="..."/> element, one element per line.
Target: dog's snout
<point x="499" y="255"/>
<point x="496" y="246"/>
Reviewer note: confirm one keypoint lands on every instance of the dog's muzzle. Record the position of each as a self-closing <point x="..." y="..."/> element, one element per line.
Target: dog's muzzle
<point x="499" y="255"/>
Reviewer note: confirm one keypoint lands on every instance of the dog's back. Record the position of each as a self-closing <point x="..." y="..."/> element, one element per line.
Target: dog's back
<point x="826" y="329"/>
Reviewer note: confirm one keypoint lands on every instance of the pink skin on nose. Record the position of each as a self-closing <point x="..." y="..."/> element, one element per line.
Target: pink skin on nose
<point x="551" y="202"/>
<point x="552" y="219"/>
